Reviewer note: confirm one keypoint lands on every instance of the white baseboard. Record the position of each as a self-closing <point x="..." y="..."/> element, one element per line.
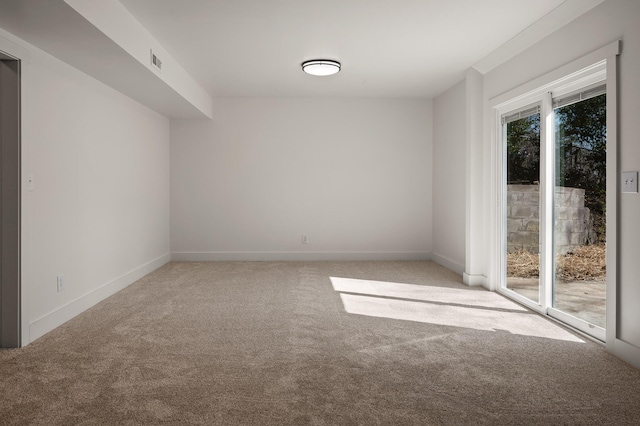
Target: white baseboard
<point x="48" y="322"/>
<point x="450" y="264"/>
<point x="473" y="280"/>
<point x="296" y="256"/>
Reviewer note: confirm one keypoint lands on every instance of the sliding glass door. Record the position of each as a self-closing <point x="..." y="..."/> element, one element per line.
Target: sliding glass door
<point x="580" y="206"/>
<point x="554" y="206"/>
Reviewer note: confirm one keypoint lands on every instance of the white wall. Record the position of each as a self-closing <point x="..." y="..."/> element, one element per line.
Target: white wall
<point x="355" y="175"/>
<point x="99" y="211"/>
<point x="449" y="174"/>
<point x="612" y="20"/>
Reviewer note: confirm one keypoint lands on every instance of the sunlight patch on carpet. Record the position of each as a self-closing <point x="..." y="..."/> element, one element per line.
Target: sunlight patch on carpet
<point x="472" y="308"/>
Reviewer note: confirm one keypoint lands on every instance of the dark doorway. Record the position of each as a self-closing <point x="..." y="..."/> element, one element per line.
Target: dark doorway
<point x="10" y="178"/>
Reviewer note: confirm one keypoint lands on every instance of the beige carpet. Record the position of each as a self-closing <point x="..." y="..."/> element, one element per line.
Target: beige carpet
<point x="280" y="343"/>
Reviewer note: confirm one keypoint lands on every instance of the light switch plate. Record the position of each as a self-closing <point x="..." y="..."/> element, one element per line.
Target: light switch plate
<point x="630" y="182"/>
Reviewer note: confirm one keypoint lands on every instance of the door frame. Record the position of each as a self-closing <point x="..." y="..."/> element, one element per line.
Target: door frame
<point x="10" y="202"/>
<point x="603" y="60"/>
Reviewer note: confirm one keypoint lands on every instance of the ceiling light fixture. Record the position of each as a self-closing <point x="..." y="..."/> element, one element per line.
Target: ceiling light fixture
<point x="321" y="67"/>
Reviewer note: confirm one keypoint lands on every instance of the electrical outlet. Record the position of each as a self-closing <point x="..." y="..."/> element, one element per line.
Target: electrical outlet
<point x="60" y="283"/>
<point x="305" y="239"/>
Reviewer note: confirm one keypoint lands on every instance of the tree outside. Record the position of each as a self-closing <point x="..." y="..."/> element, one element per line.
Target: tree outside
<point x="580" y="161"/>
<point x="581" y="135"/>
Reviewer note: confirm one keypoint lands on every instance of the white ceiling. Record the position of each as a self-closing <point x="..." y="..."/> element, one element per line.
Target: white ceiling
<point x="399" y="48"/>
<point x="254" y="48"/>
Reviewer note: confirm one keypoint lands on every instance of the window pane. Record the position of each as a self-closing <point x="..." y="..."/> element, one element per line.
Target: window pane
<point x="580" y="201"/>
<point x="523" y="205"/>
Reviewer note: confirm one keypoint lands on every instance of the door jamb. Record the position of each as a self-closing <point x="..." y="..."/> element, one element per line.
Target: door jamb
<point x="10" y="203"/>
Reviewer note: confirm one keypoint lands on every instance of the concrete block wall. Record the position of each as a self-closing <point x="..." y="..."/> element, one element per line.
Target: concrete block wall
<point x="573" y="225"/>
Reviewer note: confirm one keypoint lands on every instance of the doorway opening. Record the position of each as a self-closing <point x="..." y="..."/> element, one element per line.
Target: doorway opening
<point x="10" y="199"/>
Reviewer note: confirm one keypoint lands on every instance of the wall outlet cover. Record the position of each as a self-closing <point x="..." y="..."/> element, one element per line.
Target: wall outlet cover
<point x="630" y="182"/>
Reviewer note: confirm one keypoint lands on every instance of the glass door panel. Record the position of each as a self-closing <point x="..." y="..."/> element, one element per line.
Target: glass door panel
<point x="521" y="132"/>
<point x="579" y="210"/>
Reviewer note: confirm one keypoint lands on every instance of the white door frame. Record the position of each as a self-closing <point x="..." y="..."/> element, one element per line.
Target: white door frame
<point x="599" y="65"/>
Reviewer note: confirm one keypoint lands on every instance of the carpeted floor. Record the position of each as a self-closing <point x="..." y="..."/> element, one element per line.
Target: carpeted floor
<point x="281" y="343"/>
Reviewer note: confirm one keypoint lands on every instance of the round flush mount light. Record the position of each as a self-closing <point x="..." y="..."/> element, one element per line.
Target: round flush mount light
<point x="321" y="67"/>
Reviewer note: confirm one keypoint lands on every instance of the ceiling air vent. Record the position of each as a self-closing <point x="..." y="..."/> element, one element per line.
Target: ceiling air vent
<point x="155" y="61"/>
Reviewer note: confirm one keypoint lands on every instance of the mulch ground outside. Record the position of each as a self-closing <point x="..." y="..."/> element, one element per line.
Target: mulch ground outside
<point x="584" y="263"/>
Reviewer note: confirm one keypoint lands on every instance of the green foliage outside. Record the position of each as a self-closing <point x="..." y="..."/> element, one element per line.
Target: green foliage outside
<point x="523" y="151"/>
<point x="580" y="153"/>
